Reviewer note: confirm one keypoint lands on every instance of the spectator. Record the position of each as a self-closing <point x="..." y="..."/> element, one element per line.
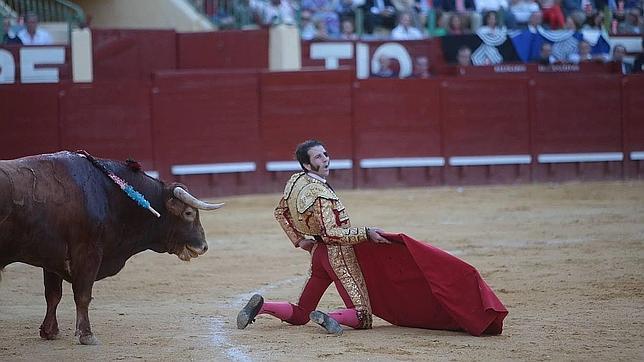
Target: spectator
<point x="553" y="16"/>
<point x="32" y="34"/>
<point x="570" y="24"/>
<point x="455" y="25"/>
<point x="379" y="14"/>
<point x="441" y="24"/>
<point x="412" y="8"/>
<point x="8" y="36"/>
<point x="535" y="21"/>
<point x="490" y="25"/>
<point x="384" y="69"/>
<point x="324" y="10"/>
<point x="545" y="54"/>
<point x="583" y="53"/>
<point x="619" y="52"/>
<point x="521" y="10"/>
<point x="348" y="31"/>
<point x="273" y="12"/>
<point x="321" y="30"/>
<point x="307" y="28"/>
<point x="594" y="22"/>
<point x="347" y="8"/>
<point x="464" y="56"/>
<point x="632" y="22"/>
<point x="421" y="68"/>
<point x="405" y="30"/>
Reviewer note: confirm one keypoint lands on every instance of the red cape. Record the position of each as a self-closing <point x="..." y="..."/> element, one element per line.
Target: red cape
<point x="414" y="284"/>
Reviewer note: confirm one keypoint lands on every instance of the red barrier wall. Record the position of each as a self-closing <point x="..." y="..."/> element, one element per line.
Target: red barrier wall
<point x="108" y="118"/>
<point x="205" y="117"/>
<point x="233" y="49"/>
<point x="633" y="110"/>
<point x="397" y="118"/>
<point x="296" y="106"/>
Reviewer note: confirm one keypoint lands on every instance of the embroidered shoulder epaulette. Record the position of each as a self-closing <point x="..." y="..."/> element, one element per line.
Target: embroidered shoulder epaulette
<point x="311" y="192"/>
<point x="291" y="182"/>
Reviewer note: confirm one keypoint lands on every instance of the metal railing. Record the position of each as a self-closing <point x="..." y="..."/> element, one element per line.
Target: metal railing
<point x="50" y="10"/>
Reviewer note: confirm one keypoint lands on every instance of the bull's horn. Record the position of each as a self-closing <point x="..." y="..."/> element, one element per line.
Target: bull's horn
<point x="185" y="196"/>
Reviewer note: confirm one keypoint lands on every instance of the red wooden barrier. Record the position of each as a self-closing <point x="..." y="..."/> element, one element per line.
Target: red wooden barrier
<point x="486" y="130"/>
<point x="206" y="131"/>
<point x="223" y="50"/>
<point x="397" y="132"/>
<point x="296" y="106"/>
<point x="633" y="111"/>
<point x="132" y="54"/>
<point x="111" y="118"/>
<point x="577" y="131"/>
<point x="28" y="120"/>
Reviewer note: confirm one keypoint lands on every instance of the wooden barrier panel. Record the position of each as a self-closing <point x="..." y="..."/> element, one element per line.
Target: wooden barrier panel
<point x="28" y="120"/>
<point x="206" y="131"/>
<point x="577" y="127"/>
<point x="132" y="54"/>
<point x="234" y="49"/>
<point x="296" y="106"/>
<point x="397" y="132"/>
<point x="108" y="119"/>
<point x="486" y="130"/>
<point x="632" y="105"/>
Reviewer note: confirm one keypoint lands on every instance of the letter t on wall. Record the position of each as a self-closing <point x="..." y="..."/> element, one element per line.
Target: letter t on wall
<point x="331" y="53"/>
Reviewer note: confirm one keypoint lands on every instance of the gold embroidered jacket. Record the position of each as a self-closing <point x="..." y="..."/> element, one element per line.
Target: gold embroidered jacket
<point x="310" y="207"/>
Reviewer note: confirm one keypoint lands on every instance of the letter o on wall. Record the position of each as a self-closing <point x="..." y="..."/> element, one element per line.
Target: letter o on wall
<point x="7" y="68"/>
<point x="395" y="51"/>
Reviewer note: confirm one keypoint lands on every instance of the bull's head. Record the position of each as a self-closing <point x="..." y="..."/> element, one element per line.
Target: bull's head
<point x="186" y="237"/>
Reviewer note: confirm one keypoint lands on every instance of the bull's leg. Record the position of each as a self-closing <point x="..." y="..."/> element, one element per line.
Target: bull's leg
<point x="53" y="294"/>
<point x="83" y="275"/>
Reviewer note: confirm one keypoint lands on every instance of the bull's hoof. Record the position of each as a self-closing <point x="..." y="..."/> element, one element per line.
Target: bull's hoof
<point x="49" y="334"/>
<point x="88" y="340"/>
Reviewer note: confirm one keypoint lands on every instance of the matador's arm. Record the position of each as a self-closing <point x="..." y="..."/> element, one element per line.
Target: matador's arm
<point x="283" y="217"/>
<point x="330" y="230"/>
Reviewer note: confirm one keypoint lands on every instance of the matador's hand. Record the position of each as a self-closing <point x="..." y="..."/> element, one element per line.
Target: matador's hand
<point x="306" y="244"/>
<point x="374" y="235"/>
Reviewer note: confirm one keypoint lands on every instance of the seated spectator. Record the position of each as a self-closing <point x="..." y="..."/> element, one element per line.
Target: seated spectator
<point x="8" y="36"/>
<point x="324" y="10"/>
<point x="553" y="16"/>
<point x="545" y="54"/>
<point x="583" y="53"/>
<point x="347" y="30"/>
<point x="413" y="8"/>
<point x="421" y="68"/>
<point x="535" y="21"/>
<point x="321" y="30"/>
<point x="500" y="6"/>
<point x="632" y="22"/>
<point x="464" y="56"/>
<point x="441" y="24"/>
<point x="405" y="30"/>
<point x="490" y="25"/>
<point x="307" y="28"/>
<point x="570" y="24"/>
<point x="521" y="10"/>
<point x="619" y="52"/>
<point x="32" y="34"/>
<point x="379" y="14"/>
<point x="384" y="69"/>
<point x="594" y="22"/>
<point x="455" y="25"/>
<point x="273" y="12"/>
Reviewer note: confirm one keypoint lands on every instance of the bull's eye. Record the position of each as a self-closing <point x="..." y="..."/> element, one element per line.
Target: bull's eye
<point x="188" y="213"/>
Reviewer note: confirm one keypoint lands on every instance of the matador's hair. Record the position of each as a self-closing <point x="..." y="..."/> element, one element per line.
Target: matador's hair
<point x="302" y="152"/>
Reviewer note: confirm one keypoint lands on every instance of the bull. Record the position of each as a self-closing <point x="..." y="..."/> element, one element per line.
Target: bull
<point x="60" y="212"/>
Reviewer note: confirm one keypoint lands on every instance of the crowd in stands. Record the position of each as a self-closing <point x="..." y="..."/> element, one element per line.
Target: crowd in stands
<point x="24" y="32"/>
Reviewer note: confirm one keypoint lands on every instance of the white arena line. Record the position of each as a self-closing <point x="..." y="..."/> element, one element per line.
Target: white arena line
<point x="490" y="160"/>
<point x="396" y="162"/>
<point x="275" y="166"/>
<point x="153" y="174"/>
<point x="580" y="157"/>
<point x="207" y="168"/>
<point x="637" y="155"/>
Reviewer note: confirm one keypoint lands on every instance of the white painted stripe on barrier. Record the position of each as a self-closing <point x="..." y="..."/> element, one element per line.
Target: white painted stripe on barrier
<point x="490" y="160"/>
<point x="275" y="166"/>
<point x="395" y="162"/>
<point x="580" y="157"/>
<point x="637" y="155"/>
<point x="206" y="168"/>
<point x="153" y="174"/>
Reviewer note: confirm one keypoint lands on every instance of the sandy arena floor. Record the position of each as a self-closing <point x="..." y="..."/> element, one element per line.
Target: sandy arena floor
<point x="567" y="260"/>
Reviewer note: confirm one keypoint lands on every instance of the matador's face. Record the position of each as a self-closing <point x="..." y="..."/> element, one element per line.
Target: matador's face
<point x="320" y="161"/>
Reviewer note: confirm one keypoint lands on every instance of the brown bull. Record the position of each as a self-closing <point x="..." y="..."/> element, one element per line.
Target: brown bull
<point x="62" y="213"/>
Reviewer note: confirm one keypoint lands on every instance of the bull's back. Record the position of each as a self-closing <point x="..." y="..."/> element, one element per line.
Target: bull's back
<point x="40" y="204"/>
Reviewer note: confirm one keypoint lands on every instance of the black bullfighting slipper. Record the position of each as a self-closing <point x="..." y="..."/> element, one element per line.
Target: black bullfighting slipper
<point x="328" y="323"/>
<point x="247" y="315"/>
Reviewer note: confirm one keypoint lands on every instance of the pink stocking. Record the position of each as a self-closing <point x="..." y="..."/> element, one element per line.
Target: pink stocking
<point x="347" y="317"/>
<point x="281" y="310"/>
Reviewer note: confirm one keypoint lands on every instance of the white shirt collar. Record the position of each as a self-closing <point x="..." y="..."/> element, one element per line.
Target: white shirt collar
<point x="317" y="177"/>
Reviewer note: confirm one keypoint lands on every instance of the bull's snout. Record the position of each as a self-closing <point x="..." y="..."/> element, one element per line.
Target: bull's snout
<point x="192" y="250"/>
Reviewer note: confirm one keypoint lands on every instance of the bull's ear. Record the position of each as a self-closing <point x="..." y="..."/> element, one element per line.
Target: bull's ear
<point x="175" y="206"/>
